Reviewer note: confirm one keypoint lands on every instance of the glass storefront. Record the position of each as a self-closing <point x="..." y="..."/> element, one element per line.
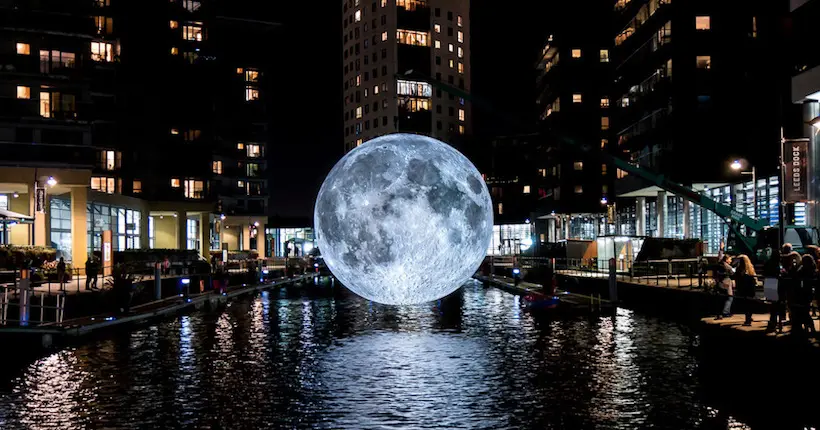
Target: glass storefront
<point x="123" y="223"/>
<point x="510" y="239"/>
<point x="290" y="241"/>
<point x="60" y="211"/>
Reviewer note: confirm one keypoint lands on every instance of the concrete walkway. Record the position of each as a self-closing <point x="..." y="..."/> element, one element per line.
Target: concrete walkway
<point x="759" y="326"/>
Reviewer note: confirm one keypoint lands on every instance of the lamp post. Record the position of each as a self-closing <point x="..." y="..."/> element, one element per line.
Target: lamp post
<point x="737" y="165"/>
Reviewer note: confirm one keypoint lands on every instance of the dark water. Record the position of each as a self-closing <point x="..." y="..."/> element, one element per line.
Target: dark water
<point x="322" y="358"/>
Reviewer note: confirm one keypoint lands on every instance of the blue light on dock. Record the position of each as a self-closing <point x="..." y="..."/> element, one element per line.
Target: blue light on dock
<point x="185" y="281"/>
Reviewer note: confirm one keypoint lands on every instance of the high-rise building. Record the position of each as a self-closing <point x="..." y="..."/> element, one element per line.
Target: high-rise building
<point x="573" y="100"/>
<point x="388" y="45"/>
<point x="689" y="97"/>
<point x="146" y="121"/>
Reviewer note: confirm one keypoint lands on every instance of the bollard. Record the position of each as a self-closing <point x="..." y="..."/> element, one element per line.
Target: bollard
<point x="25" y="296"/>
<point x="157" y="282"/>
<point x="613" y="282"/>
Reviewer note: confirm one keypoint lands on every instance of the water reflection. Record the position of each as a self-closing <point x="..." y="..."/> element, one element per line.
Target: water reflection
<point x="320" y="357"/>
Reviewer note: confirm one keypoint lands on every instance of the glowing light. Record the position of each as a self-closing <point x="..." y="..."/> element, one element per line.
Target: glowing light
<point x="51" y="181"/>
<point x="185" y="281"/>
<point x="428" y="210"/>
<point x="736" y="165"/>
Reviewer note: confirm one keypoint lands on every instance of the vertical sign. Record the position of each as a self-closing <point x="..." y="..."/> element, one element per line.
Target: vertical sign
<point x="40" y="200"/>
<point x="610" y="213"/>
<point x="795" y="170"/>
<point x="106" y="252"/>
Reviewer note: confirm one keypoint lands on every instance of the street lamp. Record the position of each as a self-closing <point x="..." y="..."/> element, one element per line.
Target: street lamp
<point x="51" y="181"/>
<point x="737" y="165"/>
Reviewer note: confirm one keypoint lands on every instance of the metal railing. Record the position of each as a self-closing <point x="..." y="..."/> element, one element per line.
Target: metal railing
<point x="31" y="307"/>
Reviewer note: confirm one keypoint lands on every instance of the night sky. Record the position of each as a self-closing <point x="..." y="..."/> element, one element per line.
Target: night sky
<point x="307" y="135"/>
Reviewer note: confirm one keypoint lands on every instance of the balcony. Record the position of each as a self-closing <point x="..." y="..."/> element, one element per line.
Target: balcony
<point x="42" y="155"/>
<point x="413" y="15"/>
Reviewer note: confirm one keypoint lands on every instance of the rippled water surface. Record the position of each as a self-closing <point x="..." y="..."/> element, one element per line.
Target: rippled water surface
<point x="321" y="357"/>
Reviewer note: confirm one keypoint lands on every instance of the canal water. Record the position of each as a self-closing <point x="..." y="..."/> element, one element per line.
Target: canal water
<point x="320" y="357"/>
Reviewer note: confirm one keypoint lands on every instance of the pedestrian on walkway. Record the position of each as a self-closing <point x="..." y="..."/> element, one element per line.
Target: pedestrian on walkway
<point x="786" y="279"/>
<point x="746" y="282"/>
<point x="724" y="278"/>
<point x="61" y="273"/>
<point x="801" y="317"/>
<point x="166" y="266"/>
<point x="91" y="273"/>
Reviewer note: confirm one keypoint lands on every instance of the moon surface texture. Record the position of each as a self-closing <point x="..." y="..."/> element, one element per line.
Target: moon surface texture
<point x="403" y="219"/>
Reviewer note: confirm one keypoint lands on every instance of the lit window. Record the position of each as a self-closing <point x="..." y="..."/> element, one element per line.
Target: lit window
<point x="460" y="67"/>
<point x="500" y="208"/>
<point x="578" y="165"/>
<point x="24" y="92"/>
<point x="190" y="56"/>
<point x="620" y="174"/>
<point x="461" y="114"/>
<point x="240" y="146"/>
<point x="254" y="151"/>
<point x="251" y="94"/>
<point x="358" y="80"/>
<point x="251" y="75"/>
<point x="604" y="123"/>
<point x="410" y="37"/>
<point x="24" y="49"/>
<point x="193" y="32"/>
<point x="109" y="160"/>
<point x="358" y="142"/>
<point x="173" y="24"/>
<point x="375" y="89"/>
<point x="754" y="27"/>
<point x="604" y="142"/>
<point x="174" y="50"/>
<point x="384" y="36"/>
<point x="579" y="189"/>
<point x="460" y="21"/>
<point x="604" y="55"/>
<point x="603" y="169"/>
<point x="216" y="167"/>
<point x="450" y="47"/>
<point x="174" y="131"/>
<point x="526" y="189"/>
<point x="704" y="61"/>
<point x="414" y="88"/>
<point x="460" y="129"/>
<point x="102" y="51"/>
<point x="357" y="16"/>
<point x="413" y="104"/>
<point x="191" y="135"/>
<point x="452" y="63"/>
<point x="576" y="53"/>
<point x="103" y="184"/>
<point x="604" y="102"/>
<point x="384" y="3"/>
<point x="703" y="23"/>
<point x="542" y="172"/>
<point x="240" y="184"/>
<point x="625" y="101"/>
<point x="45" y="104"/>
<point x="102" y="3"/>
<point x="460" y="52"/>
<point x="136" y="187"/>
<point x="191" y="5"/>
<point x="358" y="112"/>
<point x="461" y="36"/>
<point x="252" y="169"/>
<point x="194" y="189"/>
<point x="437" y="28"/>
<point x="576" y="98"/>
<point x="438" y="44"/>
<point x="174" y="182"/>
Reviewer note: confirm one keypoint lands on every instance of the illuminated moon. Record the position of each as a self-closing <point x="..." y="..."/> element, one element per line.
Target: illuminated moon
<point x="403" y="219"/>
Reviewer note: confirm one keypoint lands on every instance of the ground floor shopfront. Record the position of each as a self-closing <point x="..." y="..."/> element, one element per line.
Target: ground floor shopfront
<point x="65" y="214"/>
<point x="654" y="212"/>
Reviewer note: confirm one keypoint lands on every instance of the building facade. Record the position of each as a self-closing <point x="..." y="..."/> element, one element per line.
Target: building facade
<point x="683" y="105"/>
<point x="152" y="127"/>
<point x="387" y="46"/>
<point x="574" y="76"/>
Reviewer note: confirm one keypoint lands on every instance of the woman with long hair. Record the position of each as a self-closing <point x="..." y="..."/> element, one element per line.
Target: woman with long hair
<point x="746" y="282"/>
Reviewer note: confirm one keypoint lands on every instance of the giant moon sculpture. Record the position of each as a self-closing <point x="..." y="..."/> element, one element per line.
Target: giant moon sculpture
<point x="403" y="219"/>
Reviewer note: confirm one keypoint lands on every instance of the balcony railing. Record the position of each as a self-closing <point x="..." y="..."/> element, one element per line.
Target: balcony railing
<point x="41" y="154"/>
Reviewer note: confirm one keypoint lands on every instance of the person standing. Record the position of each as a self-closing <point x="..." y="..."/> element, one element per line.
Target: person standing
<point x="725" y="272"/>
<point x="801" y="317"/>
<point x="91" y="273"/>
<point x="786" y="278"/>
<point x="746" y="282"/>
<point x="61" y="273"/>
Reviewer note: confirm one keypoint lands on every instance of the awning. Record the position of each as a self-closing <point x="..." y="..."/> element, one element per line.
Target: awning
<point x="7" y="215"/>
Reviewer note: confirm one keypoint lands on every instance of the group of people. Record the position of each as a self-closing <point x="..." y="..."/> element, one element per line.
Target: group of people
<point x="798" y="283"/>
<point x="736" y="277"/>
<point x="797" y="286"/>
